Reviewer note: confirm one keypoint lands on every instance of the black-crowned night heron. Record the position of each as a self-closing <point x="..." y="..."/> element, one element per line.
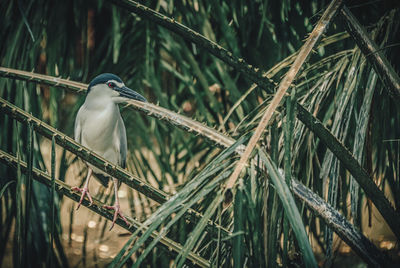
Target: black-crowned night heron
<point x="99" y="127"/>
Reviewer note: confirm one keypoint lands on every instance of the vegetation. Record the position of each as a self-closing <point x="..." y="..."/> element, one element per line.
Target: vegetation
<point x="271" y="127"/>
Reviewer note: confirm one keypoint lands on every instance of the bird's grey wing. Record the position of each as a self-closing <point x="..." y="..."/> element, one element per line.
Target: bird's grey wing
<point x="123" y="148"/>
<point x="78" y="127"/>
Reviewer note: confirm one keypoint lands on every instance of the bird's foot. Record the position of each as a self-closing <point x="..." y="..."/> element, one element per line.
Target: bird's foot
<point x="84" y="191"/>
<point x="117" y="211"/>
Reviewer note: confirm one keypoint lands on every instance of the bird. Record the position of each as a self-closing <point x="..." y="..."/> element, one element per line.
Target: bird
<point x="100" y="128"/>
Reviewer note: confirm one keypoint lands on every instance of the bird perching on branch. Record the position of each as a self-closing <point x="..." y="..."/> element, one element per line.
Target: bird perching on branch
<point x="99" y="127"/>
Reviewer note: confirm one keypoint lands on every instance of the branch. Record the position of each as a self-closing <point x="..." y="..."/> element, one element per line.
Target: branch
<point x="372" y="52"/>
<point x="286" y="82"/>
<point x="359" y="173"/>
<point x="97" y="207"/>
<point x="171" y="24"/>
<point x="44" y="79"/>
<point x="373" y="192"/>
<point x="149" y="109"/>
<point x="343" y="228"/>
<point x="227" y="142"/>
<point x="87" y="155"/>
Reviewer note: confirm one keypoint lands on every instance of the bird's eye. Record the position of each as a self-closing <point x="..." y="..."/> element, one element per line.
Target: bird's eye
<point x="111" y="85"/>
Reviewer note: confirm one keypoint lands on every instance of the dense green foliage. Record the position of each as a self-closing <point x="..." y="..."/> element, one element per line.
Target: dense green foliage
<point x="338" y="85"/>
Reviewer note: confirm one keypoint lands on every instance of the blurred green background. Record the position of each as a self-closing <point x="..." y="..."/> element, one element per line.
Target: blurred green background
<point x="80" y="39"/>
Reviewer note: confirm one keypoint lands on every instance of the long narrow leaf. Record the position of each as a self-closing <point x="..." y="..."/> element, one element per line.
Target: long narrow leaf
<point x="89" y="156"/>
<point x="64" y="189"/>
<point x="306" y="49"/>
<point x="291" y="210"/>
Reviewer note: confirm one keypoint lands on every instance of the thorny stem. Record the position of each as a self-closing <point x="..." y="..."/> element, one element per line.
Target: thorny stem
<point x="304" y="53"/>
<point x="122" y="175"/>
<point x="65" y="189"/>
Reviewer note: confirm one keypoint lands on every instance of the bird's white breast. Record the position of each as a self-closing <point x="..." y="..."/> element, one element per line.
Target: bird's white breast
<point x="100" y="122"/>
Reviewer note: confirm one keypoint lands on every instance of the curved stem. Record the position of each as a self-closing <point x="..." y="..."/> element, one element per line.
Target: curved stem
<point x="97" y="207"/>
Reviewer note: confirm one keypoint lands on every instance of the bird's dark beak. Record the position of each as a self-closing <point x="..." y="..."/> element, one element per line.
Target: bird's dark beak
<point x="131" y="94"/>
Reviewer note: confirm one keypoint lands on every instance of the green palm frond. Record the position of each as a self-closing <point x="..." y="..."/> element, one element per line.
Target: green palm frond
<point x="97" y="207"/>
<point x="213" y="70"/>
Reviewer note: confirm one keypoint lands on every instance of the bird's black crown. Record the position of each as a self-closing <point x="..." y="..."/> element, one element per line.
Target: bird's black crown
<point x="102" y="78"/>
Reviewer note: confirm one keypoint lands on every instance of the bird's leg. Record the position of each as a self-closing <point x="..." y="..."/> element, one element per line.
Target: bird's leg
<point x="116" y="206"/>
<point x="85" y="189"/>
